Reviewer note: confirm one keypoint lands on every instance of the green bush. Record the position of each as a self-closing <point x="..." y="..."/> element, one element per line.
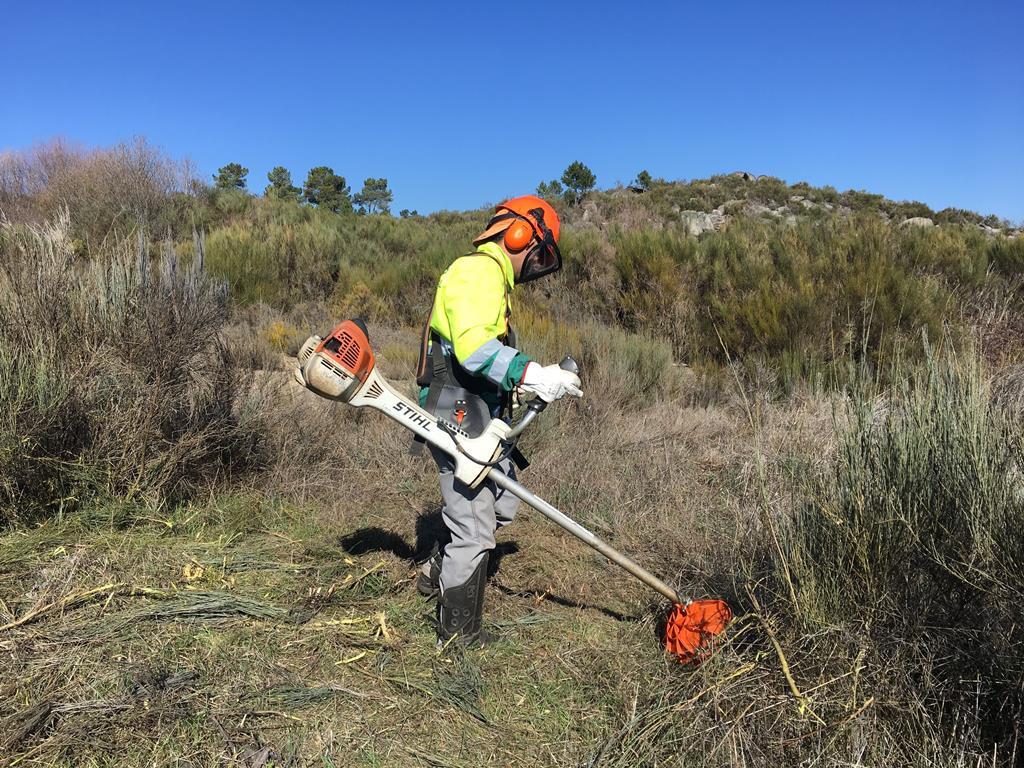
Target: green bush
<point x="957" y="216"/>
<point x="958" y="255"/>
<point x="799" y="297"/>
<point x="38" y="427"/>
<point x="284" y="254"/>
<point x="914" y="539"/>
<point x="818" y="292"/>
<point x="113" y="380"/>
<point x="807" y="296"/>
<point x="908" y="209"/>
<point x="1007" y="255"/>
<point x="860" y="201"/>
<point x="625" y="368"/>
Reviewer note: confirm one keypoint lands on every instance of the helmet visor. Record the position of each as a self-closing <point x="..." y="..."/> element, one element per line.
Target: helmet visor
<point x="545" y="257"/>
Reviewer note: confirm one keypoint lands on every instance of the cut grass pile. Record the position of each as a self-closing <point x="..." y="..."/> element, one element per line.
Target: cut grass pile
<point x="187" y="641"/>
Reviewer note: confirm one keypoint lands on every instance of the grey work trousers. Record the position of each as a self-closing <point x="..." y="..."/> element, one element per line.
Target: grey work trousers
<point x="472" y="515"/>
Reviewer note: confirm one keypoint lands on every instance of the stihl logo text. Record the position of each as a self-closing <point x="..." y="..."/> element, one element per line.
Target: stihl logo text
<point x="414" y="416"/>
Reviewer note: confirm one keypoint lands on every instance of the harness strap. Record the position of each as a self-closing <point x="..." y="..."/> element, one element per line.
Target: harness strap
<point x="504" y="282"/>
<point x="424" y="368"/>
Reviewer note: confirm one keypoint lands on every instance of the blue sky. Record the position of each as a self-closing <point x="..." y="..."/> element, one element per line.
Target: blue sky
<point x="463" y="104"/>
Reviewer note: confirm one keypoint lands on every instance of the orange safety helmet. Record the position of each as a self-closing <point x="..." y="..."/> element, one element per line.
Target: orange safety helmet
<point x="527" y="220"/>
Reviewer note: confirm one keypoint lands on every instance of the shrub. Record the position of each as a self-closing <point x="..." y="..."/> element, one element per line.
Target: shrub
<point x="909" y="209"/>
<point x="1007" y="255"/>
<point x="625" y="368"/>
<point x="957" y="254"/>
<point x="654" y="294"/>
<point x="862" y="202"/>
<point x="795" y="298"/>
<point x="284" y="338"/>
<point x="914" y="540"/>
<point x="112" y="375"/>
<point x="770" y="191"/>
<point x="283" y="254"/>
<point x="818" y="293"/>
<point x="107" y="191"/>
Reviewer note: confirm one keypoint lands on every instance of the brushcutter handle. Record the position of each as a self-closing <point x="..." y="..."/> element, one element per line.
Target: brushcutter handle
<point x="569" y="364"/>
<point x="538" y="404"/>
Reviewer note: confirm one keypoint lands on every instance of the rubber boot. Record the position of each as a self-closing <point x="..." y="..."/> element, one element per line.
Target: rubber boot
<point x="428" y="581"/>
<point x="460" y="611"/>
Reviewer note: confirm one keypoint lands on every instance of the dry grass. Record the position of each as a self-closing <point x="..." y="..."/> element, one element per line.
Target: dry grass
<point x="285" y="628"/>
<point x="252" y="629"/>
<point x="218" y="566"/>
<point x="275" y="638"/>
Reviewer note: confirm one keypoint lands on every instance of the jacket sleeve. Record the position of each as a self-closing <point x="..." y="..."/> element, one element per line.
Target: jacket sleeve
<point x="475" y="309"/>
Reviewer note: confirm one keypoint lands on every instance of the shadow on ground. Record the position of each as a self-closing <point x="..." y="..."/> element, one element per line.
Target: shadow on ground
<point x="430" y="531"/>
<point x="537" y="596"/>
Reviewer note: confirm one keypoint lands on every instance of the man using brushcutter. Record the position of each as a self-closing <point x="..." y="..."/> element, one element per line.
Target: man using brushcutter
<point x="469" y="368"/>
<point x="469" y="365"/>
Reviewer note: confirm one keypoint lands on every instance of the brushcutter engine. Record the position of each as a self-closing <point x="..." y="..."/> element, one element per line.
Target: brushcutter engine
<point x="341" y="364"/>
<point x="342" y="367"/>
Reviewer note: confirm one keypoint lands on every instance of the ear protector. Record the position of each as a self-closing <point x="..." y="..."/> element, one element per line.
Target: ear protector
<point x="518" y="235"/>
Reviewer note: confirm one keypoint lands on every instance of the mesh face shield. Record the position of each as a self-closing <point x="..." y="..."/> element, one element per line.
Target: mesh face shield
<point x="544" y="256"/>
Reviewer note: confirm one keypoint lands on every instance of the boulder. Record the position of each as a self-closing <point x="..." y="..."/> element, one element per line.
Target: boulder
<point x="918" y="221"/>
<point x="698" y="222"/>
<point x="729" y="206"/>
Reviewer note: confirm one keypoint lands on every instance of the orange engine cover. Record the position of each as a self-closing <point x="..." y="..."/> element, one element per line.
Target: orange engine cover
<point x="348" y="346"/>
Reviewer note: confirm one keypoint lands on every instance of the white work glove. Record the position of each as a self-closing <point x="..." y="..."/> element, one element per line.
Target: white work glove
<point x="549" y="382"/>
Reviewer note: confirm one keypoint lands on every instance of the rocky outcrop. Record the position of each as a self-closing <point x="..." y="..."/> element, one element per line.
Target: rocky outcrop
<point x="918" y="221"/>
<point x="755" y="209"/>
<point x="730" y="207"/>
<point x="698" y="222"/>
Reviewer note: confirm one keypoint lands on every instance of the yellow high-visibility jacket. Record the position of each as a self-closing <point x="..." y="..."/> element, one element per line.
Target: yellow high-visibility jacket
<point x="470" y="314"/>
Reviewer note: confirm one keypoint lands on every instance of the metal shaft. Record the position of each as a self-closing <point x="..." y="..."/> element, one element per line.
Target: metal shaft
<point x="551" y="513"/>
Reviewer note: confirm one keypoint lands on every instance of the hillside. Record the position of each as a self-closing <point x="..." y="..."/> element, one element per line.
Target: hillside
<point x="802" y="401"/>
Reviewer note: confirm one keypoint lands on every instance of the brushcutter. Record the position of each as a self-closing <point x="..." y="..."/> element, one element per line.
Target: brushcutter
<point x="342" y="367"/>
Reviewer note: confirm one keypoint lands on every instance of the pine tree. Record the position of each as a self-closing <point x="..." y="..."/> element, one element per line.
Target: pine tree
<point x="326" y="189"/>
<point x="375" y="197"/>
<point x="280" y="185"/>
<point x="643" y="181"/>
<point x="231" y="176"/>
<point x="550" y="189"/>
<point x="579" y="180"/>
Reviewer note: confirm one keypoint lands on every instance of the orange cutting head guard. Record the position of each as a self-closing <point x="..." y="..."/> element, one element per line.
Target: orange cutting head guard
<point x="690" y="628"/>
